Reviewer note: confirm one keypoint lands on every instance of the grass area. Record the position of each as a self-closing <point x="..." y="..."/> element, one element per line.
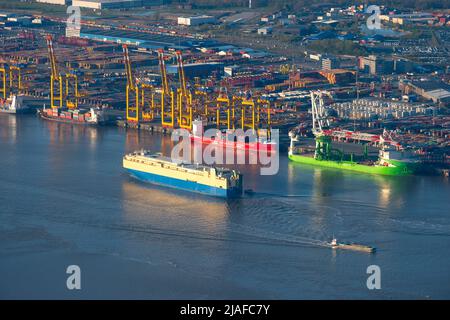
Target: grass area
<point x="345" y="47"/>
<point x="16" y="5"/>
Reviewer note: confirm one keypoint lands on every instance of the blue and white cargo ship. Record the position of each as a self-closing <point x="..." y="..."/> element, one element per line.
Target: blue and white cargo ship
<point x="159" y="170"/>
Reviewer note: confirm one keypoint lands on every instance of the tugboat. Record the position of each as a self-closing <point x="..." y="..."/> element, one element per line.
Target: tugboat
<point x="351" y="246"/>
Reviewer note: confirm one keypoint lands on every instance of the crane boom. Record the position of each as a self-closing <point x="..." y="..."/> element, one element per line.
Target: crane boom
<point x="181" y="73"/>
<point x="52" y="57"/>
<point x="3" y="88"/>
<point x="127" y="62"/>
<point x="162" y="66"/>
<point x="319" y="118"/>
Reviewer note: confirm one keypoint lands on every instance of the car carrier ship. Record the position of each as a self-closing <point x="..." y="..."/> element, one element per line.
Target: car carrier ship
<point x="163" y="171"/>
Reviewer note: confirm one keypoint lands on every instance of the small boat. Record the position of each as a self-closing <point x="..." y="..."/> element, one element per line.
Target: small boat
<point x="249" y="192"/>
<point x="351" y="246"/>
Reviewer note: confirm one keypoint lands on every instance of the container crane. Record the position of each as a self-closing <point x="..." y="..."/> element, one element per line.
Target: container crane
<point x="71" y="103"/>
<point x="248" y="112"/>
<point x="184" y="97"/>
<point x="224" y="104"/>
<point x="148" y="111"/>
<point x="132" y="110"/>
<point x="166" y="94"/>
<point x="55" y="76"/>
<point x="319" y="118"/>
<point x="201" y="102"/>
<point x="3" y="88"/>
<point x="15" y="73"/>
<point x="265" y="106"/>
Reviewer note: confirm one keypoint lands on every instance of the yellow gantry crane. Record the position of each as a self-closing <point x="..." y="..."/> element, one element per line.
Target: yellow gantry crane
<point x="264" y="106"/>
<point x="248" y="112"/>
<point x="15" y="73"/>
<point x="167" y="95"/>
<point x="11" y="79"/>
<point x="224" y="107"/>
<point x="55" y="77"/>
<point x="201" y="100"/>
<point x="255" y="113"/>
<point x="61" y="95"/>
<point x="71" y="103"/>
<point x="3" y="88"/>
<point x="184" y="97"/>
<point x="132" y="109"/>
<point x="147" y="108"/>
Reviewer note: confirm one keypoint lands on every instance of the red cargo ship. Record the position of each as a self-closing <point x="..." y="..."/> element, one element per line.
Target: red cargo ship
<point x="228" y="140"/>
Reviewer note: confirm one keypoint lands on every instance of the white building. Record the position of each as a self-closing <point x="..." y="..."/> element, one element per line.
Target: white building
<point x="196" y="21"/>
<point x="113" y="4"/>
<point x="265" y="31"/>
<point x="60" y="2"/>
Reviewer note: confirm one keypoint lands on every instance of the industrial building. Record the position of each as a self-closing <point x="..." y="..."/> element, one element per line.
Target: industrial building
<point x="370" y="109"/>
<point x="13" y="19"/>
<point x="376" y="65"/>
<point x="330" y="63"/>
<point x="143" y="40"/>
<point x="409" y="18"/>
<point x="436" y="91"/>
<point x="379" y="66"/>
<point x="196" y="21"/>
<point x="198" y="69"/>
<point x="113" y="4"/>
<point x="265" y="31"/>
<point x="60" y="2"/>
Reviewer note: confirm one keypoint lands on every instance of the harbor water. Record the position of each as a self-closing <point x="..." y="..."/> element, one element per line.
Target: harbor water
<point x="66" y="200"/>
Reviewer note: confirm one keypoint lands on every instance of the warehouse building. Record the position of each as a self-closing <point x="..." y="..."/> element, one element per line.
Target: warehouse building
<point x="114" y="4"/>
<point x="60" y="2"/>
<point x="143" y="40"/>
<point x="193" y="70"/>
<point x="196" y="21"/>
<point x="436" y="91"/>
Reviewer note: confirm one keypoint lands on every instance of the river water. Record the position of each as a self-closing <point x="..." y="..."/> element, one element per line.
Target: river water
<point x="65" y="200"/>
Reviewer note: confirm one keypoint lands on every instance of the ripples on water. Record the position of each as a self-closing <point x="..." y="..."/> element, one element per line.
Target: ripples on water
<point x="72" y="181"/>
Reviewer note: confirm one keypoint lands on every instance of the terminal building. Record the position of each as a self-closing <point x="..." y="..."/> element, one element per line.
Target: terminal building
<point x="196" y="21"/>
<point x="142" y="40"/>
<point x="104" y="4"/>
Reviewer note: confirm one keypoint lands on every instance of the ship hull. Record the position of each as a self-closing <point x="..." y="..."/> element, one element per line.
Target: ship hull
<point x="16" y="111"/>
<point x="239" y="145"/>
<point x="185" y="185"/>
<point x="399" y="168"/>
<point x="68" y="121"/>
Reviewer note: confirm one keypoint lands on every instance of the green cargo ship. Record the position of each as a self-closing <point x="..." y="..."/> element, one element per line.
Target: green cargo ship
<point x="390" y="161"/>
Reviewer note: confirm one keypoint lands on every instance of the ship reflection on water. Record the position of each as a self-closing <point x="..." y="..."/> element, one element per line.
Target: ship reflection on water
<point x="178" y="209"/>
<point x="8" y="127"/>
